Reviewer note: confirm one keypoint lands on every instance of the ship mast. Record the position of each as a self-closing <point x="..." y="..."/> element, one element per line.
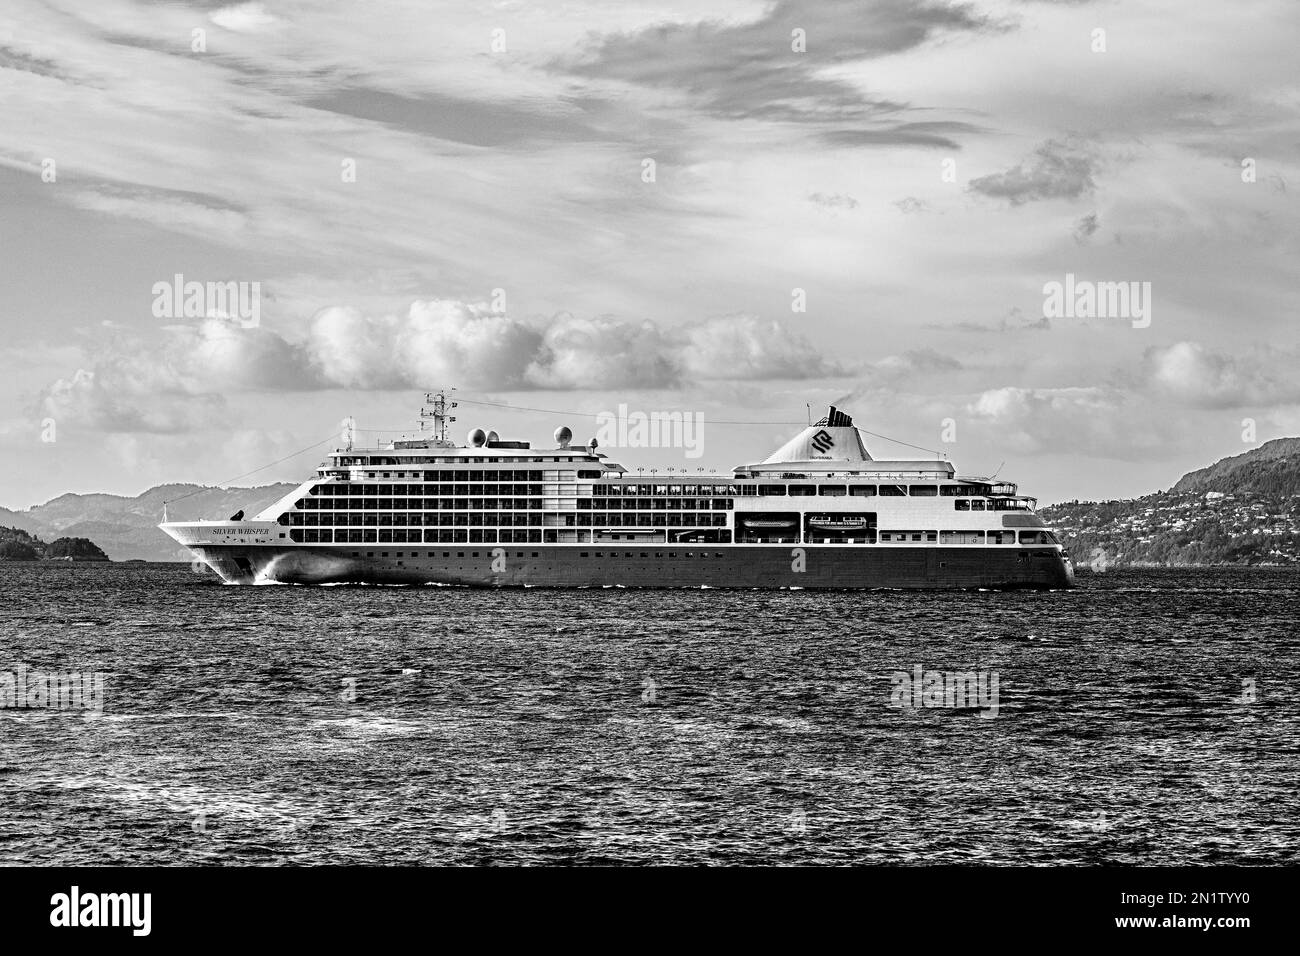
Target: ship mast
<point x="434" y="415"/>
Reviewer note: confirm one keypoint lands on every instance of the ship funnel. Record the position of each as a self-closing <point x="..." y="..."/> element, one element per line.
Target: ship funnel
<point x="832" y="439"/>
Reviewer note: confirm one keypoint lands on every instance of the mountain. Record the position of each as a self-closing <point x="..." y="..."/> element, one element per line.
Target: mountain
<point x="1271" y="469"/>
<point x="126" y="528"/>
<point x="1241" y="510"/>
<point x="18" y="545"/>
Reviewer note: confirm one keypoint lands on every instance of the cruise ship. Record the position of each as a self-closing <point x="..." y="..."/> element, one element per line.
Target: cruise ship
<point x="820" y="512"/>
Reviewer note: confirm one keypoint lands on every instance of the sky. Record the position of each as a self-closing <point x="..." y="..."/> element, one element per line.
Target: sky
<point x="741" y="211"/>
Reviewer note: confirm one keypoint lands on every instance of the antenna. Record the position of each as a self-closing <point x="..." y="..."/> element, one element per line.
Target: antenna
<point x="435" y="410"/>
<point x="808" y="407"/>
<point x="995" y="474"/>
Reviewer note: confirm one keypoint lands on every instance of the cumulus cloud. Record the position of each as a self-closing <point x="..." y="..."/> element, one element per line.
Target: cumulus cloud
<point x="604" y="353"/>
<point x="105" y="400"/>
<point x="1198" y="376"/>
<point x="175" y="379"/>
<point x="745" y="347"/>
<point x="1104" y="422"/>
<point x="434" y="341"/>
<point x="1057" y="169"/>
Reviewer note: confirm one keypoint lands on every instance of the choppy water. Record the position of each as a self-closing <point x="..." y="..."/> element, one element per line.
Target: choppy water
<point x="650" y="727"/>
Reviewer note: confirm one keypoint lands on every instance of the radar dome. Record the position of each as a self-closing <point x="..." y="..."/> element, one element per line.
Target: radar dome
<point x="563" y="435"/>
<point x="493" y="436"/>
<point x="477" y="437"/>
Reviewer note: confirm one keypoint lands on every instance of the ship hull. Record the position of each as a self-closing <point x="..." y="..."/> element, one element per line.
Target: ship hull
<point x="716" y="566"/>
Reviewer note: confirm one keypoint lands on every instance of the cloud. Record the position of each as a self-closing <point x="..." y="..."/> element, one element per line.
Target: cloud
<point x="911" y="205"/>
<point x="745" y="347"/>
<point x="1013" y="321"/>
<point x="243" y="18"/>
<point x="461" y="119"/>
<point x="605" y="353"/>
<point x="1104" y="422"/>
<point x="435" y="341"/>
<point x="171" y="209"/>
<point x="1056" y="170"/>
<point x="936" y="135"/>
<point x="104" y="400"/>
<point x="752" y="70"/>
<point x="1086" y="227"/>
<point x="916" y="362"/>
<point x="176" y="378"/>
<point x="1201" y="377"/>
<point x="833" y="201"/>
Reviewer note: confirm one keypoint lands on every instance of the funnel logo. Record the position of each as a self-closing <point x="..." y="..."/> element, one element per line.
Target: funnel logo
<point x="823" y="442"/>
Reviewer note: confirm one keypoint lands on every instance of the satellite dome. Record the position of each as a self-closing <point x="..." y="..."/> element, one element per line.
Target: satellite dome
<point x="477" y="437"/>
<point x="493" y="436"/>
<point x="563" y="435"/>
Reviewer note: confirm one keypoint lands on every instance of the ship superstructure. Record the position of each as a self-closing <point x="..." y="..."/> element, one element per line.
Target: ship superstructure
<point x="818" y="513"/>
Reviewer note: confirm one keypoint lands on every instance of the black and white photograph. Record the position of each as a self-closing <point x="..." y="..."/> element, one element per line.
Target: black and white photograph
<point x="818" y="446"/>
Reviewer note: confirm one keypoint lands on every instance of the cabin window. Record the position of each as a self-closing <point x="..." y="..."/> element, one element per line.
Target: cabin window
<point x="831" y="491"/>
<point x="862" y="491"/>
<point x="806" y="491"/>
<point x="771" y="490"/>
<point x="924" y="491"/>
<point x="1037" y="537"/>
<point x="893" y="491"/>
<point x="961" y="504"/>
<point x="979" y="504"/>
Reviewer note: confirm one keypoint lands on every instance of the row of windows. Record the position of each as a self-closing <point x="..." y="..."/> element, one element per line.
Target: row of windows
<point x="551" y="535"/>
<point x="402" y="536"/>
<point x="788" y="490"/>
<point x="417" y="504"/>
<point x="581" y="554"/>
<point x="996" y="504"/>
<point x="358" y="462"/>
<point x="491" y="487"/>
<point x="510" y="504"/>
<point x="655" y="504"/>
<point x="456" y="481"/>
<point x="968" y="537"/>
<point x="444" y="488"/>
<point x="326" y="519"/>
